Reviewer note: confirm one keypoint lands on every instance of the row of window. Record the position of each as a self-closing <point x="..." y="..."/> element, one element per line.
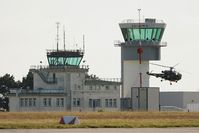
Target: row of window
<point x="93" y="103"/>
<point x="31" y="102"/>
<point x="97" y="103"/>
<point x="154" y="34"/>
<point x="99" y="87"/>
<point x="111" y="102"/>
<point x="76" y="102"/>
<point x="25" y="102"/>
<point x="47" y="102"/>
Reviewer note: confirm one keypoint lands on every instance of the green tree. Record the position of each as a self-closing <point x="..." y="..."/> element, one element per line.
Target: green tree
<point x="6" y="82"/>
<point x="27" y="82"/>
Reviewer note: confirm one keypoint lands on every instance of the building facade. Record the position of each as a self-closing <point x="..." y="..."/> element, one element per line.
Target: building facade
<point x="67" y="89"/>
<point x="182" y="100"/>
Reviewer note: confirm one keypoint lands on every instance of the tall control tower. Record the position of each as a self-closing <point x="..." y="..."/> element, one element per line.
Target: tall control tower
<point x="142" y="44"/>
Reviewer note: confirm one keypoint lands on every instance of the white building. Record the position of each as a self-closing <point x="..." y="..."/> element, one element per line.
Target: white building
<point x="65" y="86"/>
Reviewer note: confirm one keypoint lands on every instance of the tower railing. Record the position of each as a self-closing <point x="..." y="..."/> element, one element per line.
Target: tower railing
<point x="104" y="79"/>
<point x="37" y="67"/>
<point x="68" y="50"/>
<point x="145" y="43"/>
<point x="141" y="21"/>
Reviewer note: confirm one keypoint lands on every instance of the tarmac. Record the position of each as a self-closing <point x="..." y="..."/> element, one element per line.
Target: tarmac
<point x="104" y="130"/>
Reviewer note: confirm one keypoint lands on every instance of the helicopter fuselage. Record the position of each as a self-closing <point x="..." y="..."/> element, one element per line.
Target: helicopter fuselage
<point x="170" y="75"/>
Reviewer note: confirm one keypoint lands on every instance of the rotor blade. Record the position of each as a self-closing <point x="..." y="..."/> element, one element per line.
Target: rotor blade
<point x="160" y="65"/>
<point x="175" y="65"/>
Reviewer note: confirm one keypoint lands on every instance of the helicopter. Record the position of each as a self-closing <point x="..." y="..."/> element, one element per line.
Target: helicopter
<point x="170" y="75"/>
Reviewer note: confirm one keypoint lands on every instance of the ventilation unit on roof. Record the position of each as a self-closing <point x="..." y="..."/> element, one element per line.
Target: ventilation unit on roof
<point x="149" y="20"/>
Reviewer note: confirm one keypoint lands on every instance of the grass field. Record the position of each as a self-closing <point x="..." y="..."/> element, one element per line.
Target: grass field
<point x="99" y="119"/>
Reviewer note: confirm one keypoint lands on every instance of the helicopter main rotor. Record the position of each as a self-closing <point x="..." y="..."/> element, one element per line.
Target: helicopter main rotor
<point x="171" y="67"/>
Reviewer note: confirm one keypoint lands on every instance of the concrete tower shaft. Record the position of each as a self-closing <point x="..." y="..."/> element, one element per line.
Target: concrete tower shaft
<point x="142" y="35"/>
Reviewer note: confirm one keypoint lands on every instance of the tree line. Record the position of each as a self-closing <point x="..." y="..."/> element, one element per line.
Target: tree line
<point x="8" y="82"/>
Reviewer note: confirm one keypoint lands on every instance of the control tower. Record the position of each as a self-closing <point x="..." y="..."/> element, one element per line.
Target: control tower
<point x="142" y="43"/>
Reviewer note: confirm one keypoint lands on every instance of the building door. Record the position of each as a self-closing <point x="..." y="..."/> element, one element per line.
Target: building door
<point x="135" y="96"/>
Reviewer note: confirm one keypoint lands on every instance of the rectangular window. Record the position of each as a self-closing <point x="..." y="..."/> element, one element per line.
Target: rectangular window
<point x="78" y="102"/>
<point x="110" y="102"/>
<point x="49" y="101"/>
<point x="26" y="102"/>
<point x="74" y="101"/>
<point x="62" y="102"/>
<point x="22" y="102"/>
<point x="114" y="102"/>
<point x="34" y="102"/>
<point x="97" y="103"/>
<point x="45" y="101"/>
<point x="90" y="103"/>
<point x="30" y="102"/>
<point x="106" y="102"/>
<point x="57" y="102"/>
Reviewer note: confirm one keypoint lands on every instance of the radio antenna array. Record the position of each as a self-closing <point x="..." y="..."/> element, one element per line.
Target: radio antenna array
<point x="83" y="43"/>
<point x="64" y="35"/>
<point x="57" y="35"/>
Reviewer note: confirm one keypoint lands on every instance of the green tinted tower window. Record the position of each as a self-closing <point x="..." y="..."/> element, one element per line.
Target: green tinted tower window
<point x="64" y="58"/>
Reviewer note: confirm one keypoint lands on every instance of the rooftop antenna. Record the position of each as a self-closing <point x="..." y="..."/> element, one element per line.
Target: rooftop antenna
<point x="83" y="43"/>
<point x="139" y="10"/>
<point x="64" y="39"/>
<point x="57" y="35"/>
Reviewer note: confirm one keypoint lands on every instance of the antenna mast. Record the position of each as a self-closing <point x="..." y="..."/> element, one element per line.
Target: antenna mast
<point x="83" y="44"/>
<point x="64" y="39"/>
<point x="57" y="35"/>
<point x="139" y="10"/>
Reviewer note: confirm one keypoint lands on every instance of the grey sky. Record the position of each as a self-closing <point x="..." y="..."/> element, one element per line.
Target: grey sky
<point x="27" y="29"/>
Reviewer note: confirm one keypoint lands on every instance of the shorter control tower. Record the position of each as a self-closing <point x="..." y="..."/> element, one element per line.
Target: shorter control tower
<point x="142" y="43"/>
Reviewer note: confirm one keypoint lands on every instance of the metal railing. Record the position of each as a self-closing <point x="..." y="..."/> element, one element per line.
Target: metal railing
<point x="43" y="91"/>
<point x="68" y="50"/>
<point x="39" y="90"/>
<point x="37" y="67"/>
<point x="146" y="43"/>
<point x="104" y="79"/>
<point x="141" y="21"/>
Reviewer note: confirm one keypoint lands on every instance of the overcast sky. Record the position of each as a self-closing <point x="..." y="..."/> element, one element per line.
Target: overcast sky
<point x="27" y="29"/>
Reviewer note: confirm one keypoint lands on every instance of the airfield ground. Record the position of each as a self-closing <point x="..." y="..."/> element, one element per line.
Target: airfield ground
<point x="37" y="120"/>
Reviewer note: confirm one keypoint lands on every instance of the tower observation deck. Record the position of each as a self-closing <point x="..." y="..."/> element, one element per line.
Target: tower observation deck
<point x="64" y="57"/>
<point x="142" y="43"/>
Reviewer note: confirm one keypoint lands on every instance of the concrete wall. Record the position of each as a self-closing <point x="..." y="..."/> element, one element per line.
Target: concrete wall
<point x="131" y="77"/>
<point x="171" y="99"/>
<point x="190" y="98"/>
<point x="179" y="99"/>
<point x="14" y="104"/>
<point x="97" y="92"/>
<point x="153" y="99"/>
<point x="145" y="98"/>
<point x="150" y="53"/>
<point x="65" y="80"/>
